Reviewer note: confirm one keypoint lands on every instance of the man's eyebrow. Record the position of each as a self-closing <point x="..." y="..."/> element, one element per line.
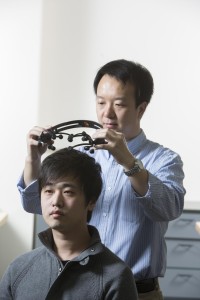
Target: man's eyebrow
<point x="48" y="183"/>
<point x="62" y="184"/>
<point x="116" y="98"/>
<point x="68" y="185"/>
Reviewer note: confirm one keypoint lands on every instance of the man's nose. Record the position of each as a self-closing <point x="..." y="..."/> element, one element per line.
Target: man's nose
<point x="58" y="199"/>
<point x="109" y="111"/>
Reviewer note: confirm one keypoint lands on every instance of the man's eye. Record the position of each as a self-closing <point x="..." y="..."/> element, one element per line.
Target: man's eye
<point x="48" y="191"/>
<point x="100" y="102"/>
<point x="68" y="192"/>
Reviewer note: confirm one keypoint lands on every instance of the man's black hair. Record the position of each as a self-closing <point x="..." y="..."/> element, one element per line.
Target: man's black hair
<point x="71" y="162"/>
<point x="132" y="72"/>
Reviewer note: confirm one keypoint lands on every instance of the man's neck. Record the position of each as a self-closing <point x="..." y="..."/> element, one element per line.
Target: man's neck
<point x="67" y="246"/>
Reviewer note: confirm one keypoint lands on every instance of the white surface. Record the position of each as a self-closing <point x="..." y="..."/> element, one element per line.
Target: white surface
<point x="3" y="218"/>
<point x="20" y="29"/>
<point x="192" y="205"/>
<point x="80" y="36"/>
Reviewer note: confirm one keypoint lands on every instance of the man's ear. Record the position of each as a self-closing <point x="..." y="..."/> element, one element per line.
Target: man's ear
<point x="141" y="108"/>
<point x="91" y="205"/>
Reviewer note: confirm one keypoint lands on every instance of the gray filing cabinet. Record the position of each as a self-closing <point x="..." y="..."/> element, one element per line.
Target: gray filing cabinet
<point x="182" y="278"/>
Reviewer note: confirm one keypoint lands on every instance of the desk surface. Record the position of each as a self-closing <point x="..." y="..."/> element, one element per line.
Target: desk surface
<point x="3" y="217"/>
<point x="197" y="227"/>
<point x="193" y="205"/>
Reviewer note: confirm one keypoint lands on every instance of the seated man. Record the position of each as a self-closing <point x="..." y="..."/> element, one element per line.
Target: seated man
<point x="72" y="263"/>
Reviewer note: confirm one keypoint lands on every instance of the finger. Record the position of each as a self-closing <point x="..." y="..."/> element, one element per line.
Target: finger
<point x="35" y="132"/>
<point x="100" y="141"/>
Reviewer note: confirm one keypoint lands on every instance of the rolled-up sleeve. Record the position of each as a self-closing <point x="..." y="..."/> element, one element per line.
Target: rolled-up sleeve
<point x="30" y="197"/>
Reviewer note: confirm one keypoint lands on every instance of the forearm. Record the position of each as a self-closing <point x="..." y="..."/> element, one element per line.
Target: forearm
<point x="160" y="189"/>
<point x="31" y="170"/>
<point x="164" y="201"/>
<point x="139" y="180"/>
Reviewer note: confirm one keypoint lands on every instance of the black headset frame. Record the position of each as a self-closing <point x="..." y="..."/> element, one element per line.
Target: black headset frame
<point x="59" y="130"/>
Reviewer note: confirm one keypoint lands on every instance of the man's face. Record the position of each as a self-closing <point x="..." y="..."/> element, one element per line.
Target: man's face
<point x="115" y="107"/>
<point x="63" y="205"/>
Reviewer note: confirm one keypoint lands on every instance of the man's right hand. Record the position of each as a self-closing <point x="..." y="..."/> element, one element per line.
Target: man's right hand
<point x="35" y="150"/>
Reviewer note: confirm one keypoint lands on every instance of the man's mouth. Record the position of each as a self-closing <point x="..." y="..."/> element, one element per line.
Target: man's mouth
<point x="56" y="213"/>
<point x="110" y="125"/>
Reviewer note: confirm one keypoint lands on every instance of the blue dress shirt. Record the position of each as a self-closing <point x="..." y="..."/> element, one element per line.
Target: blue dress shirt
<point x="133" y="227"/>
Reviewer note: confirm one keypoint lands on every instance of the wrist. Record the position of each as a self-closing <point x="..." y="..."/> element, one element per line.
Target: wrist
<point x="32" y="160"/>
<point x="136" y="168"/>
<point x="130" y="164"/>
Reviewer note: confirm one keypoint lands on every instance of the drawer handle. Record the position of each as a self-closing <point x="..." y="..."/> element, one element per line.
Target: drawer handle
<point x="180" y="278"/>
<point x="183" y="247"/>
<point x="184" y="221"/>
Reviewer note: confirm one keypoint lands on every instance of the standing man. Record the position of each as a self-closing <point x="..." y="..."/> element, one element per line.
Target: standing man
<point x="72" y="264"/>
<point x="143" y="181"/>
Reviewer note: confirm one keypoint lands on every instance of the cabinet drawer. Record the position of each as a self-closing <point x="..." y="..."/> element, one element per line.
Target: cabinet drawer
<point x="183" y="254"/>
<point x="184" y="227"/>
<point x="181" y="284"/>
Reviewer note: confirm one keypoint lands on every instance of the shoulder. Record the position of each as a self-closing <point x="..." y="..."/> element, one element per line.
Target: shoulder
<point x="118" y="279"/>
<point x="158" y="148"/>
<point x="153" y="152"/>
<point x="23" y="262"/>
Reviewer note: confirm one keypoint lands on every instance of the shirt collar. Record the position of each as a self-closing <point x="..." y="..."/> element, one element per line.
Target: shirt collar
<point x="95" y="246"/>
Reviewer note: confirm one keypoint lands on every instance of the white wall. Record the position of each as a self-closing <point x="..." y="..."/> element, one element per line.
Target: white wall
<point x="20" y="22"/>
<point x="80" y="36"/>
<point x="54" y="86"/>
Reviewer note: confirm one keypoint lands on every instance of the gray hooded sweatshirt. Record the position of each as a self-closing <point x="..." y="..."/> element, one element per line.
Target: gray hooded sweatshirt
<point x="96" y="274"/>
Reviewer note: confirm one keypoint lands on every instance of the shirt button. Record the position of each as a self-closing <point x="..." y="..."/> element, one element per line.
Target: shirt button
<point x="109" y="188"/>
<point x="59" y="271"/>
<point x="105" y="214"/>
<point x="84" y="261"/>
